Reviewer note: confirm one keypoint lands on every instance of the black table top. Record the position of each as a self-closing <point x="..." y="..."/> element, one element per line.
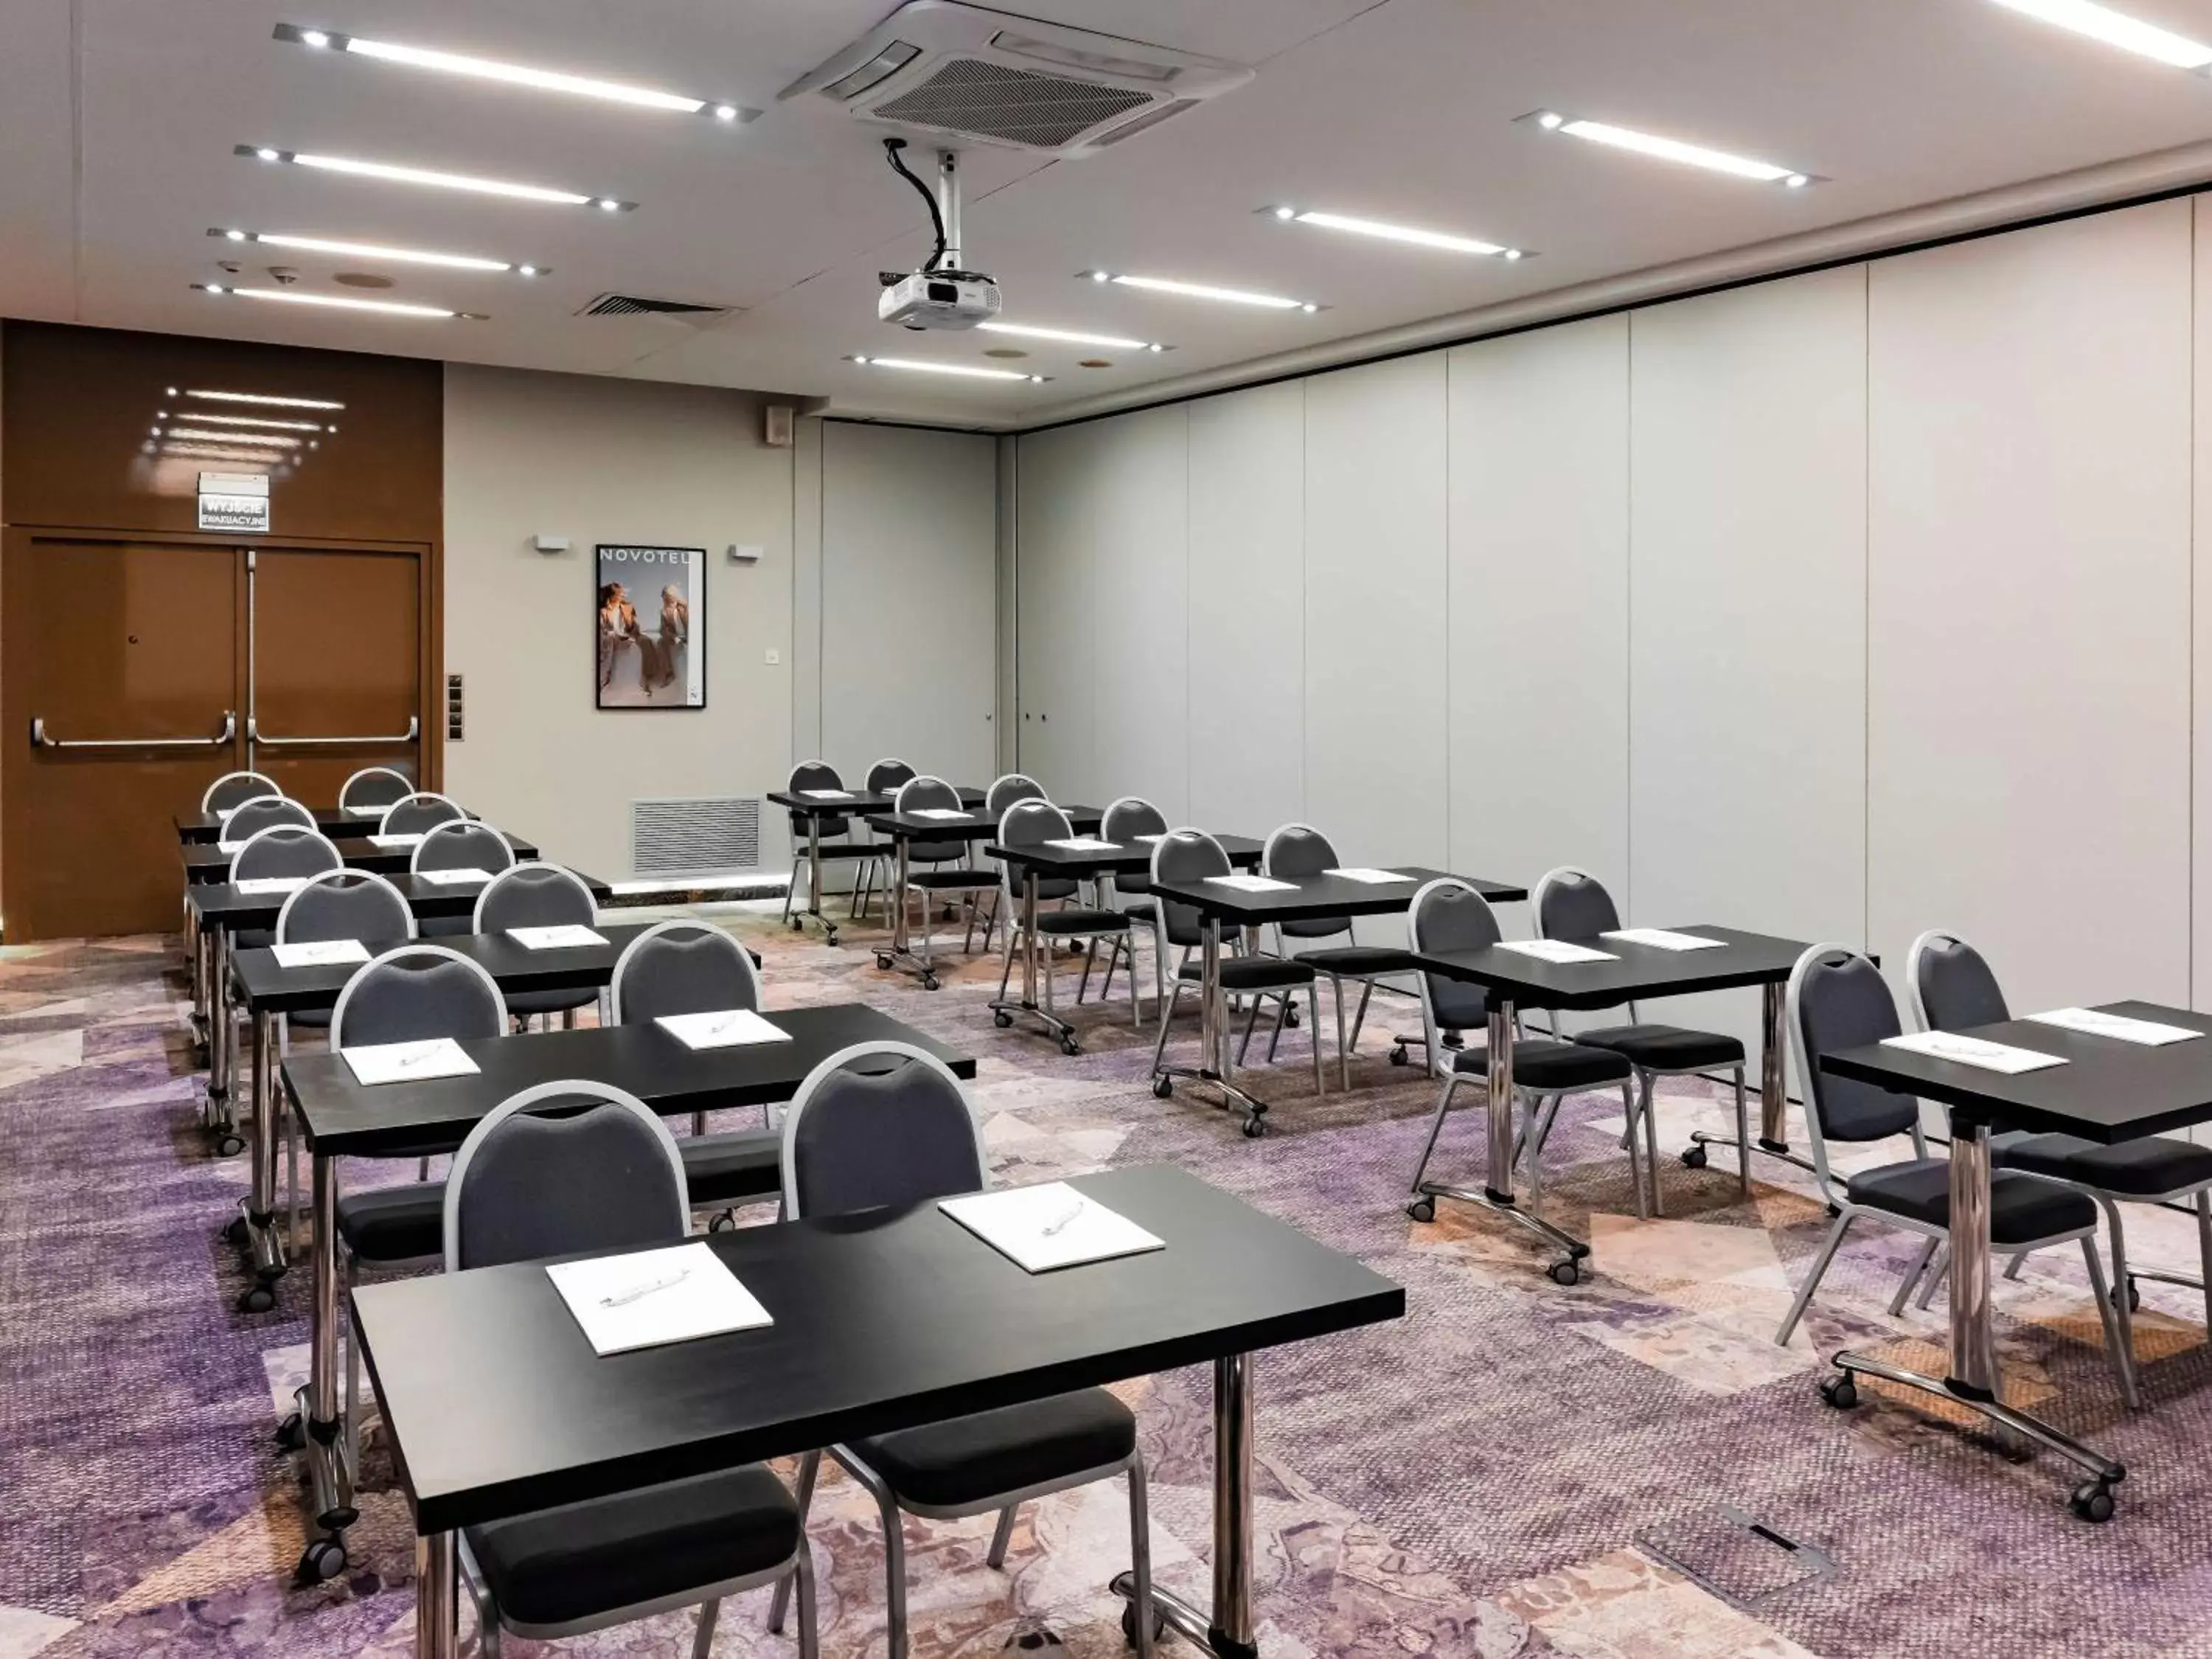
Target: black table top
<point x="342" y="1117"/>
<point x="1638" y="970"/>
<point x="904" y="826"/>
<point x="1131" y="857"/>
<point x="206" y="862"/>
<point x="856" y="802"/>
<point x="884" y="1320"/>
<point x="221" y="905"/>
<point x="193" y="827"/>
<point x="2107" y="1091"/>
<point x="1325" y="896"/>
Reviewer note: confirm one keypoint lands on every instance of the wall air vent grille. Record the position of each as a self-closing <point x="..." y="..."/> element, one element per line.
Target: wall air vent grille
<point x="694" y="835"/>
<point x="995" y="101"/>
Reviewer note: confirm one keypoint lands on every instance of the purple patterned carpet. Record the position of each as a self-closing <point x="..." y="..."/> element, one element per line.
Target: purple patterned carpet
<point x="1504" y="1473"/>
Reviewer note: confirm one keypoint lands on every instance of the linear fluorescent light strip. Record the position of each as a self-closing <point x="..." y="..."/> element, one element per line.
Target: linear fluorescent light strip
<point x="1070" y="335"/>
<point x="1201" y="291"/>
<point x="193" y="435"/>
<point x="405" y="175"/>
<point x="336" y="302"/>
<point x="1436" y="239"/>
<point x="1672" y="149"/>
<point x="2117" y="28"/>
<point x="266" y="399"/>
<point x="949" y="369"/>
<point x="409" y="256"/>
<point x="254" y="420"/>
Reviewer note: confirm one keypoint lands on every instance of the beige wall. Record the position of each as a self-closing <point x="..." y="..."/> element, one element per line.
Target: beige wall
<point x="608" y="461"/>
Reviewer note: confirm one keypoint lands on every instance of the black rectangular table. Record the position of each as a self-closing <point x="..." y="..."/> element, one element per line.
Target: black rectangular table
<point x="1073" y="864"/>
<point x="904" y="828"/>
<point x="206" y="862"/>
<point x="196" y="828"/>
<point x="1307" y="898"/>
<point x="2108" y="1092"/>
<point x="339" y="1117"/>
<point x="841" y="804"/>
<point x="496" y="1406"/>
<point x="1515" y="979"/>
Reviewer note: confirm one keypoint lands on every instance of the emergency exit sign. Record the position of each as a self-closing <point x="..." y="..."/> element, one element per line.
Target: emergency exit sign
<point x="234" y="501"/>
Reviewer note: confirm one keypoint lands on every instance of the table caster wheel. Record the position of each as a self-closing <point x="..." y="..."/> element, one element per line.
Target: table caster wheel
<point x="1254" y="1128"/>
<point x="1694" y="1156"/>
<point x="883" y="961"/>
<point x="1398" y="1055"/>
<point x="1070" y="1046"/>
<point x="722" y="1221"/>
<point x="2092" y="1501"/>
<point x="292" y="1433"/>
<point x="1422" y="1209"/>
<point x="1163" y="1087"/>
<point x="324" y="1559"/>
<point x="1291" y="1019"/>
<point x="1002" y="1019"/>
<point x="1565" y="1272"/>
<point x="929" y="982"/>
<point x="1129" y="1625"/>
<point x="229" y="1144"/>
<point x="256" y="1298"/>
<point x="1841" y="1392"/>
<point x="233" y="1233"/>
<point x="2135" y="1296"/>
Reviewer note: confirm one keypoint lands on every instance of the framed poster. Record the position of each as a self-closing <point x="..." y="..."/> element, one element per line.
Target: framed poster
<point x="649" y="628"/>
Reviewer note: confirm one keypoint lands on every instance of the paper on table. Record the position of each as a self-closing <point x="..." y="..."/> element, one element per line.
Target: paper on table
<point x="648" y="1299"/>
<point x="1051" y="1225"/>
<point x="567" y="937"/>
<point x="730" y="1029"/>
<point x="395" y="843"/>
<point x="1555" y="949"/>
<point x="1244" y="884"/>
<point x="1661" y="938"/>
<point x="827" y="794"/>
<point x="940" y="812"/>
<point x="1372" y="877"/>
<point x="407" y="1063"/>
<point x="272" y="883"/>
<point x="1086" y="844"/>
<point x="454" y="877"/>
<point x="228" y="846"/>
<point x="320" y="953"/>
<point x="2148" y="1032"/>
<point x="1973" y="1051"/>
<point x="1149" y="838"/>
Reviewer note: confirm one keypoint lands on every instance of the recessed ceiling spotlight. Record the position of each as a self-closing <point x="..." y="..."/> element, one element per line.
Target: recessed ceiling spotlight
<point x="1201" y="291"/>
<point x="1070" y="335"/>
<point x="373" y="251"/>
<point x="262" y="398"/>
<point x="337" y="301"/>
<point x="516" y="75"/>
<point x="2117" y="28"/>
<point x="1388" y="233"/>
<point x="967" y="369"/>
<point x="1670" y="149"/>
<point x="406" y="175"/>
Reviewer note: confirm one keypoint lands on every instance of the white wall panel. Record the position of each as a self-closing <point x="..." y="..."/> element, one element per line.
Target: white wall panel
<point x="1248" y="618"/>
<point x="1539" y="605"/>
<point x="2029" y="731"/>
<point x="1748" y="617"/>
<point x="1057" y="485"/>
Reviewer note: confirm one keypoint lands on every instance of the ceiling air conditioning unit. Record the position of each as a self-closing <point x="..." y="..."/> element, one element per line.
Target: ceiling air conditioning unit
<point x="964" y="72"/>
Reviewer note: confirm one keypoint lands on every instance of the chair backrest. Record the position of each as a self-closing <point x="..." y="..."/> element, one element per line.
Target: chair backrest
<point x="683" y="967"/>
<point x="357" y="904"/>
<point x="815" y="774"/>
<point x="533" y="895"/>
<point x="1838" y="999"/>
<point x="885" y="777"/>
<point x="1949" y="984"/>
<point x="1185" y="854"/>
<point x="1128" y="817"/>
<point x="235" y="789"/>
<point x="265" y="812"/>
<point x="284" y="849"/>
<point x="1005" y="791"/>
<point x="1030" y="824"/>
<point x="925" y="790"/>
<point x="416" y="992"/>
<point x="415" y="814"/>
<point x="374" y="788"/>
<point x="561" y="1168"/>
<point x="1571" y="903"/>
<point x="1448" y="914"/>
<point x="1293" y="850"/>
<point x="879" y="1124"/>
<point x="462" y="844"/>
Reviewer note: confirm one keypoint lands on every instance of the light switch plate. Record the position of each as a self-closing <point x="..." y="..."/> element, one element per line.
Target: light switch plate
<point x="774" y="657"/>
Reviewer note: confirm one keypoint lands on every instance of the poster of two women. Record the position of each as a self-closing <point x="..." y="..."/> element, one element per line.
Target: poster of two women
<point x="651" y="627"/>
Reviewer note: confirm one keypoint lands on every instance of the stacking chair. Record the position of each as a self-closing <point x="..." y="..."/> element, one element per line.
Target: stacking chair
<point x="938" y="866"/>
<point x="1572" y="904"/>
<point x="1186" y="855"/>
<point x="408" y="995"/>
<point x="1031" y="824"/>
<point x="284" y="849"/>
<point x="537" y="895"/>
<point x="265" y="812"/>
<point x="1838" y="999"/>
<point x="883" y="1124"/>
<point x="1448" y="914"/>
<point x="883" y="778"/>
<point x="833" y="834"/>
<point x="1299" y="849"/>
<point x="459" y="844"/>
<point x="690" y="967"/>
<point x="1122" y="823"/>
<point x="605" y="1178"/>
<point x="1003" y="792"/>
<point x="415" y="814"/>
<point x="1951" y="988"/>
<point x="234" y="789"/>
<point x="374" y="788"/>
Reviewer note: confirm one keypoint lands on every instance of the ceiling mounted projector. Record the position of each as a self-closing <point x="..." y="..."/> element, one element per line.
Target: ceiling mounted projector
<point x="939" y="295"/>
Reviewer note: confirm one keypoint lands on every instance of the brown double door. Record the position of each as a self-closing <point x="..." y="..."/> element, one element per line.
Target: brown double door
<point x="135" y="672"/>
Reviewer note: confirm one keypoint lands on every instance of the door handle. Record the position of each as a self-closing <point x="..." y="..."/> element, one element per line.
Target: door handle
<point x="253" y="735"/>
<point x="40" y="738"/>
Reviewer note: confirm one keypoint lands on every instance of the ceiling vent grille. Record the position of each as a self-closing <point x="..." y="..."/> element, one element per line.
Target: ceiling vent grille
<point x="694" y="835"/>
<point x="943" y="67"/>
<point x="634" y="305"/>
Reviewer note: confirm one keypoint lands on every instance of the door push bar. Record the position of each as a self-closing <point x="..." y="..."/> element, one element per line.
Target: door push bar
<point x="253" y="735"/>
<point x="40" y="738"/>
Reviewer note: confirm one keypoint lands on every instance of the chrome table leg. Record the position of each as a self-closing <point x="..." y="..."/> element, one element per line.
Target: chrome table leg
<point x="437" y="1597"/>
<point x="265" y="1249"/>
<point x="814" y="883"/>
<point x="1773" y="1102"/>
<point x="1215" y="1065"/>
<point x="329" y="1498"/>
<point x="1228" y="1631"/>
<point x="901" y="948"/>
<point x="1030" y="1003"/>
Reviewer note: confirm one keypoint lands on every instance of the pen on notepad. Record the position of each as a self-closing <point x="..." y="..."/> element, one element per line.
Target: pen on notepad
<point x="421" y="1054"/>
<point x="623" y="1299"/>
<point x="1057" y="1227"/>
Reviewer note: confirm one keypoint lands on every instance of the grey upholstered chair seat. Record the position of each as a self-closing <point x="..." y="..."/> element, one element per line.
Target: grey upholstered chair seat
<point x="1666" y="1048"/>
<point x="253" y="938"/>
<point x="2023" y="1208"/>
<point x="1359" y="959"/>
<point x="1545" y="1068"/>
<point x="732" y="1168"/>
<point x="1080" y="921"/>
<point x="1254" y="973"/>
<point x="557" y="1566"/>
<point x="970" y="1460"/>
<point x="550" y="1002"/>
<point x="963" y="876"/>
<point x="394" y="1224"/>
<point x="1133" y="883"/>
<point x="2148" y="1168"/>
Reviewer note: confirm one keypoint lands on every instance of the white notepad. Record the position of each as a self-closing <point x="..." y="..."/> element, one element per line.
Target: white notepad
<point x="827" y="794"/>
<point x="1661" y="939"/>
<point x="272" y="883"/>
<point x="1372" y="877"/>
<point x="648" y="1299"/>
<point x="395" y="843"/>
<point x="1158" y="836"/>
<point x="1555" y="949"/>
<point x="734" y="1028"/>
<point x="228" y="846"/>
<point x="320" y="953"/>
<point x="454" y="877"/>
<point x="2148" y="1032"/>
<point x="1973" y="1051"/>
<point x="407" y="1063"/>
<point x="568" y="935"/>
<point x="1052" y="1225"/>
<point x="1244" y="884"/>
<point x="222" y="814"/>
<point x="1085" y="844"/>
<point x="941" y="813"/>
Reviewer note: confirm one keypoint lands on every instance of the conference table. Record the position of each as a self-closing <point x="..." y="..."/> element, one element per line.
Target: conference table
<point x="2108" y="1091"/>
<point x="207" y="827"/>
<point x="815" y="804"/>
<point x="207" y="861"/>
<point x="340" y="1117"/>
<point x="950" y="1328"/>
